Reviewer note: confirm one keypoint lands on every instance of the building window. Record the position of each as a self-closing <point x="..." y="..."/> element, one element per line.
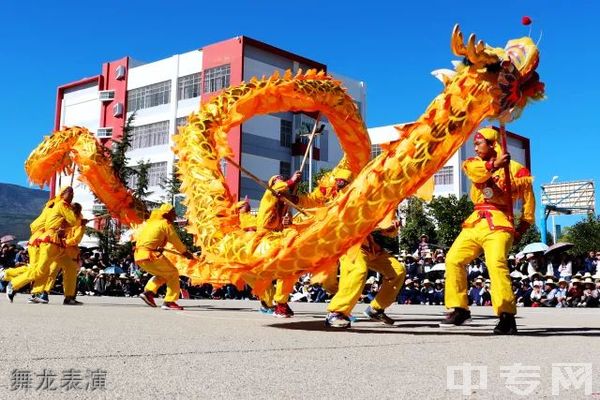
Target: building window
<point x="181" y="121"/>
<point x="157" y="175"/>
<point x="445" y="176"/>
<point x="216" y="78"/>
<point x="149" y="96"/>
<point x="375" y="150"/>
<point x="285" y="133"/>
<point x="188" y="86"/>
<point x="150" y="135"/>
<point x="285" y="169"/>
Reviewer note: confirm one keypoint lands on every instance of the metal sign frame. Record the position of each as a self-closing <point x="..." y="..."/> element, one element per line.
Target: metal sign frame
<point x="577" y="197"/>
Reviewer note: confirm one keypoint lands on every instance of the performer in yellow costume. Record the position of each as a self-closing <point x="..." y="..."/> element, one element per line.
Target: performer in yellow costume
<point x="37" y="230"/>
<point x="151" y="240"/>
<point x="60" y="217"/>
<point x="489" y="229"/>
<point x="271" y="212"/>
<point x="353" y="274"/>
<point x="69" y="262"/>
<point x="247" y="220"/>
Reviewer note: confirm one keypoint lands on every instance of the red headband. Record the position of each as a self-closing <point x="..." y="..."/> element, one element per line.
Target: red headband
<point x="479" y="136"/>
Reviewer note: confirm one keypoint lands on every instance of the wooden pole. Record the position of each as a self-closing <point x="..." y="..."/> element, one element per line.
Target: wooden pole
<point x="267" y="187"/>
<point x="508" y="183"/>
<point x="73" y="174"/>
<point x="310" y="142"/>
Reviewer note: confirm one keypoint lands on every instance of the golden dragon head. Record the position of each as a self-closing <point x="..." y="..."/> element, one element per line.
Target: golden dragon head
<point x="510" y="72"/>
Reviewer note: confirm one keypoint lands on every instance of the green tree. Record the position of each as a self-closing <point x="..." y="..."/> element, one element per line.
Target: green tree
<point x="171" y="186"/>
<point x="532" y="235"/>
<point x="585" y="235"/>
<point x="303" y="186"/>
<point x="111" y="230"/>
<point x="417" y="222"/>
<point x="449" y="213"/>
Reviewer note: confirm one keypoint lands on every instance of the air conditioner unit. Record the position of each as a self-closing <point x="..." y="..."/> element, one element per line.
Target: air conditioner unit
<point x="106" y="95"/>
<point x="120" y="72"/>
<point x="118" y="110"/>
<point x="99" y="208"/>
<point x="104" y="132"/>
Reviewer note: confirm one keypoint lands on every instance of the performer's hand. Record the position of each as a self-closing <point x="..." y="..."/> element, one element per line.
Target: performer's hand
<point x="297" y="176"/>
<point x="520" y="230"/>
<point x="502" y="161"/>
<point x="160" y="249"/>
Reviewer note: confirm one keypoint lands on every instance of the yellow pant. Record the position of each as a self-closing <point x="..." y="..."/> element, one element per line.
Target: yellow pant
<point x="268" y="296"/>
<point x="467" y="246"/>
<point x="283" y="289"/>
<point x="34" y="252"/>
<point x="48" y="253"/>
<point x="353" y="274"/>
<point x="69" y="266"/>
<point x="12" y="273"/>
<point x="164" y="273"/>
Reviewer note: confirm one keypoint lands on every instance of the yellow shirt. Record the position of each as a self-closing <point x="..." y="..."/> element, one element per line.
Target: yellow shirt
<point x="271" y="209"/>
<point x="60" y="217"/>
<point x="247" y="221"/>
<point x="74" y="234"/>
<point x="491" y="201"/>
<point x="37" y="226"/>
<point x="155" y="233"/>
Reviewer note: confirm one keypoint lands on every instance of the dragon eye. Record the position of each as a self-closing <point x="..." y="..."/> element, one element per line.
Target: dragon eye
<point x="495" y="67"/>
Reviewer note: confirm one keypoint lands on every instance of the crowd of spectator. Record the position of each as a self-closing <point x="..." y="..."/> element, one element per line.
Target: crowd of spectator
<point x="538" y="281"/>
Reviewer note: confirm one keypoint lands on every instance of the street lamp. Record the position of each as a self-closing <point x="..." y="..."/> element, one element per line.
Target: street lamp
<point x="554" y="179"/>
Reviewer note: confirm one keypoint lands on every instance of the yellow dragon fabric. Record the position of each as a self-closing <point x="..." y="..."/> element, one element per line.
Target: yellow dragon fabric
<point x="490" y="83"/>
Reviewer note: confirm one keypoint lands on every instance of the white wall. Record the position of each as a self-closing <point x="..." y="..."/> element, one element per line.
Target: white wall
<point x="80" y="107"/>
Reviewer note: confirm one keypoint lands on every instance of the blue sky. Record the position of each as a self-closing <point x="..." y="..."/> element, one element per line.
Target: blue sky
<point x="390" y="45"/>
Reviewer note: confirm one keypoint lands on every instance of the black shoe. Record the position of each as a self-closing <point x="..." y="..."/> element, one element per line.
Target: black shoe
<point x="507" y="325"/>
<point x="70" y="301"/>
<point x="378" y="315"/>
<point x="457" y="317"/>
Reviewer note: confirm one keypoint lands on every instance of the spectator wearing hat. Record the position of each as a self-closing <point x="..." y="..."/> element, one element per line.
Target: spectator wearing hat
<point x="590" y="294"/>
<point x="565" y="268"/>
<point x="423" y="247"/>
<point x="537" y="295"/>
<point x="574" y="293"/>
<point x="413" y="269"/>
<point x="427" y="292"/>
<point x="549" y="299"/>
<point x="523" y="294"/>
<point x="476" y="291"/>
<point x="475" y="269"/>
<point x="561" y="293"/>
<point x="438" y="293"/>
<point x="427" y="262"/>
<point x="405" y="294"/>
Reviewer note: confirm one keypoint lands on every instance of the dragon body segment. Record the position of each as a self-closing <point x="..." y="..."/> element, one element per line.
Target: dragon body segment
<point x="490" y="83"/>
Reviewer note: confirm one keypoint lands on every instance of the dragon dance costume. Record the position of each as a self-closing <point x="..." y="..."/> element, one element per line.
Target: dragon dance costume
<point x="152" y="236"/>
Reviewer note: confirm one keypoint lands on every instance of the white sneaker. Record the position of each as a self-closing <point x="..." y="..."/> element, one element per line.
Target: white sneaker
<point x="10" y="293"/>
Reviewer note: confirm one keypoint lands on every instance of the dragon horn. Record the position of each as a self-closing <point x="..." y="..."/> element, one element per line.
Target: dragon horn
<point x="474" y="51"/>
<point x="457" y="42"/>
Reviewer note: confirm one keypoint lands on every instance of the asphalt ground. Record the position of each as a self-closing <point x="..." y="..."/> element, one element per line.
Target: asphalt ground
<point x="119" y="348"/>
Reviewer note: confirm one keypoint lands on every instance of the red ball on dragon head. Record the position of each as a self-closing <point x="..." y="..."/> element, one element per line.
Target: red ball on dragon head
<point x="525" y="20"/>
